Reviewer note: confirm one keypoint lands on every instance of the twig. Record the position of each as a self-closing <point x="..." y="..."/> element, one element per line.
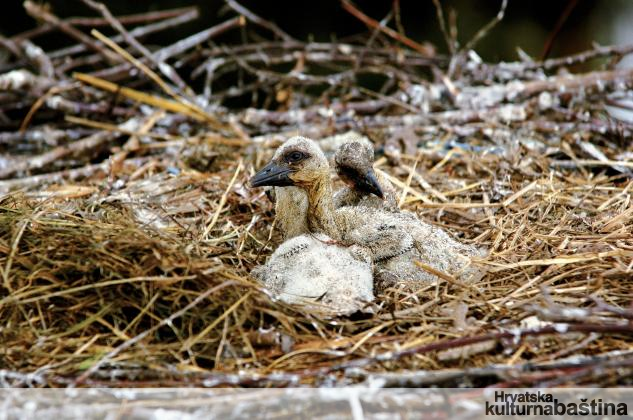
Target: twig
<point x="396" y="12"/>
<point x="143" y="97"/>
<point x="40" y="13"/>
<point x="258" y="20"/>
<point x="571" y="5"/>
<point x="516" y="373"/>
<point x="11" y="46"/>
<point x="165" y="68"/>
<point x="597" y="52"/>
<point x="487" y="28"/>
<point x="372" y="23"/>
<point x="78" y="147"/>
<point x="589" y="162"/>
<point x="39" y="57"/>
<point x="603" y="306"/>
<point x="142" y="31"/>
<point x="222" y="202"/>
<point x="115" y="73"/>
<point x="516" y="334"/>
<point x="62" y="104"/>
<point x="198" y="38"/>
<point x="47" y="135"/>
<point x="92" y="22"/>
<point x="452" y="48"/>
<point x="67" y="175"/>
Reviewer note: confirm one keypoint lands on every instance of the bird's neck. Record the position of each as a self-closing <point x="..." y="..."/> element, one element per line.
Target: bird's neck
<point x="291" y="207"/>
<point x="321" y="208"/>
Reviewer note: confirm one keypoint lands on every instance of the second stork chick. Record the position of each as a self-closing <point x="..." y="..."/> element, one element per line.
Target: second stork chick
<point x="353" y="162"/>
<point x="364" y="187"/>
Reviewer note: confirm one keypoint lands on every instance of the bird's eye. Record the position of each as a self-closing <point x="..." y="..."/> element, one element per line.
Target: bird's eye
<point x="294" y="157"/>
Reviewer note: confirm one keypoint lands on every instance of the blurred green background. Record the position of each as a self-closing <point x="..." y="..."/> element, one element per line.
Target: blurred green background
<point x="528" y="24"/>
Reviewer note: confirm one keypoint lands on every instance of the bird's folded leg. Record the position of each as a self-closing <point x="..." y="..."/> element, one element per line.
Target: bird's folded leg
<point x="361" y="253"/>
<point x="384" y="241"/>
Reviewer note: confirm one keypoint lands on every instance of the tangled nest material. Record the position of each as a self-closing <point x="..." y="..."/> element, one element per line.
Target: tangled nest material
<point x="128" y="231"/>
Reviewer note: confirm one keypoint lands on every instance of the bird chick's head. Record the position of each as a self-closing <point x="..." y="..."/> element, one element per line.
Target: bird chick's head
<point x="354" y="165"/>
<point x="298" y="162"/>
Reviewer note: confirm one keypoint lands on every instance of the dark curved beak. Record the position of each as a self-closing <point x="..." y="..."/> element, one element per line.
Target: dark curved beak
<point x="272" y="175"/>
<point x="369" y="184"/>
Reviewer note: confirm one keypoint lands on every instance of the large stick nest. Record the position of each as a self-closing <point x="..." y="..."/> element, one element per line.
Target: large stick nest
<point x="128" y="231"/>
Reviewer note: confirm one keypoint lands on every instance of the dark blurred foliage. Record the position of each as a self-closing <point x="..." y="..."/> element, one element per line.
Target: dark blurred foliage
<point x="528" y="24"/>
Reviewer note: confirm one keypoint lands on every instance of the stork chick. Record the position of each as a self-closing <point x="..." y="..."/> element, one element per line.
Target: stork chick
<point x="353" y="162"/>
<point x="364" y="187"/>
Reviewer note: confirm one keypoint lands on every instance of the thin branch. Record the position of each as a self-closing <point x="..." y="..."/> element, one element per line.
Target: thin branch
<point x="164" y="68"/>
<point x="144" y="17"/>
<point x="372" y="23"/>
<point x="40" y="12"/>
<point x="516" y="334"/>
<point x="571" y="5"/>
<point x="487" y="28"/>
<point x="440" y="19"/>
<point x="139" y="32"/>
<point x="271" y="26"/>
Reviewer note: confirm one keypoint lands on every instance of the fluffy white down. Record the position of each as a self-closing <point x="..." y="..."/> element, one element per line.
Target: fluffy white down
<point x="325" y="277"/>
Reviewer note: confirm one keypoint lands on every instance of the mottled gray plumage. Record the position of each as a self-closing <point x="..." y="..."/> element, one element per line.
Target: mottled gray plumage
<point x="352" y="162"/>
<point x="356" y="158"/>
